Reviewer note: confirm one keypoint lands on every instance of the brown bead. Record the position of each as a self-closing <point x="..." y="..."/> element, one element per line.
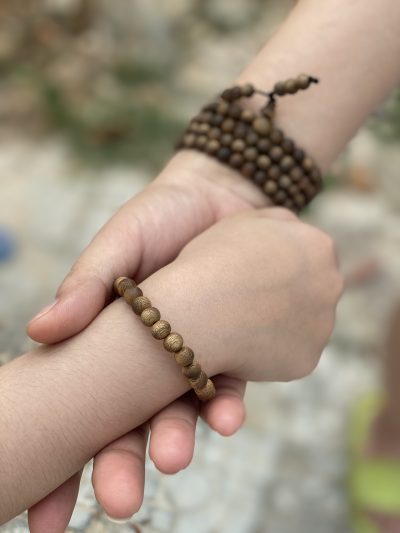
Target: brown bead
<point x="293" y="189"/>
<point x="296" y="174"/>
<point x="280" y="197"/>
<point x="204" y="128"/>
<point x="236" y="160"/>
<point x="234" y="111"/>
<point x="238" y="145"/>
<point x="264" y="146"/>
<point x="204" y="116"/>
<point x="285" y="182"/>
<point x="222" y="107"/>
<point x="228" y="125"/>
<point x="259" y="177"/>
<point x="298" y="154"/>
<point x="291" y="86"/>
<point x="122" y="283"/>
<point x="192" y="371"/>
<point x="303" y="184"/>
<point x="274" y="172"/>
<point x="262" y="125"/>
<point x="173" y="342"/>
<point x="240" y="130"/>
<point x="226" y="139"/>
<point x="299" y="200"/>
<point x="289" y="204"/>
<point x="280" y="88"/>
<point x="270" y="187"/>
<point x="217" y="120"/>
<point x="263" y="161"/>
<point x="131" y="293"/>
<point x="303" y="81"/>
<point x="276" y="136"/>
<point x="268" y="110"/>
<point x="276" y="153"/>
<point x="206" y="393"/>
<point x="250" y="154"/>
<point x="185" y="356"/>
<point x="201" y="141"/>
<point x="232" y="94"/>
<point x="150" y="315"/>
<point x="199" y="382"/>
<point x="211" y="106"/>
<point x="248" y="169"/>
<point x="247" y="115"/>
<point x="308" y="164"/>
<point x="214" y="133"/>
<point x="161" y="329"/>
<point x="189" y="140"/>
<point x="247" y="90"/>
<point x="224" y="153"/>
<point x="251" y="138"/>
<point x="140" y="303"/>
<point x="315" y="175"/>
<point x="212" y="146"/>
<point x="287" y="146"/>
<point x="287" y="163"/>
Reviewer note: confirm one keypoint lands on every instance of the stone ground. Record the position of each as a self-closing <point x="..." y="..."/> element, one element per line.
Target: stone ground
<point x="285" y="471"/>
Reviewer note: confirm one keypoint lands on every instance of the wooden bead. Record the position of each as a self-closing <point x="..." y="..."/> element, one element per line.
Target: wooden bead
<point x="248" y="169"/>
<point x="264" y="146"/>
<point x="185" y="356"/>
<point x="299" y="200"/>
<point x="231" y="94"/>
<point x="262" y="125"/>
<point x="251" y="138"/>
<point x="276" y="153"/>
<point x="289" y="204"/>
<point x="247" y="115"/>
<point x="189" y="140"/>
<point x="287" y="146"/>
<point x="214" y="133"/>
<point x="247" y="90"/>
<point x="287" y="163"/>
<point x="274" y="172"/>
<point x="298" y="154"/>
<point x="140" y="303"/>
<point x="238" y="145"/>
<point x="234" y="111"/>
<point x="291" y="86"/>
<point x="280" y="88"/>
<point x="293" y="190"/>
<point x="224" y="153"/>
<point x="204" y="128"/>
<point x="206" y="393"/>
<point x="263" y="161"/>
<point x="150" y="315"/>
<point x="260" y="177"/>
<point x="212" y="146"/>
<point x="241" y="129"/>
<point x="280" y="197"/>
<point x="161" y="329"/>
<point x="285" y="182"/>
<point x="201" y="141"/>
<point x="226" y="139"/>
<point x="212" y="106"/>
<point x="276" y="136"/>
<point x="121" y="284"/>
<point x="217" y="120"/>
<point x="270" y="187"/>
<point x="194" y="126"/>
<point x="296" y="174"/>
<point x="236" y="160"/>
<point x="228" y="125"/>
<point x="308" y="164"/>
<point x="315" y="175"/>
<point x="222" y="107"/>
<point x="131" y="294"/>
<point x="173" y="342"/>
<point x="192" y="371"/>
<point x="268" y="110"/>
<point x="303" y="81"/>
<point x="200" y="382"/>
<point x="250" y="154"/>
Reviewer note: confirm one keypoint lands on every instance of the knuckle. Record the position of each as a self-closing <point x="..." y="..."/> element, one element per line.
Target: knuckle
<point x="279" y="213"/>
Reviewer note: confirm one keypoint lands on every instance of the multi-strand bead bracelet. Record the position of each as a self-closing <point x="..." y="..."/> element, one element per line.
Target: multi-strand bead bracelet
<point x="172" y="341"/>
<point x="250" y="143"/>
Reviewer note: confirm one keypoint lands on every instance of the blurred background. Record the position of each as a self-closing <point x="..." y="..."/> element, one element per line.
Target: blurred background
<point x="92" y="97"/>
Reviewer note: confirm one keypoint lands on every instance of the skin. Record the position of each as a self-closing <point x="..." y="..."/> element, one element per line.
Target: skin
<point x="315" y="38"/>
<point x="231" y="307"/>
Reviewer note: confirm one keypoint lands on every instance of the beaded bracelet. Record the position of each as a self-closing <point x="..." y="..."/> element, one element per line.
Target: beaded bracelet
<point x="161" y="330"/>
<point x="250" y="143"/>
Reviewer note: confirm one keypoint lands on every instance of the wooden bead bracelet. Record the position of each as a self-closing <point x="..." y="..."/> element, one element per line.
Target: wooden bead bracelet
<point x="250" y="143"/>
<point x="161" y="330"/>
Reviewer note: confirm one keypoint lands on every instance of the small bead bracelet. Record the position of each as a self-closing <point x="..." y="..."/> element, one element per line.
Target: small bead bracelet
<point x="250" y="143"/>
<point x="173" y="342"/>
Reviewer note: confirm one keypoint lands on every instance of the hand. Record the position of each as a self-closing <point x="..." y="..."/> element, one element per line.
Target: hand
<point x="129" y="245"/>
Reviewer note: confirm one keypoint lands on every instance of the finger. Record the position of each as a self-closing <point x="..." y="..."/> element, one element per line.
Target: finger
<point x="118" y="474"/>
<point x="173" y="435"/>
<point x="53" y="513"/>
<point x="128" y="245"/>
<point x="226" y="412"/>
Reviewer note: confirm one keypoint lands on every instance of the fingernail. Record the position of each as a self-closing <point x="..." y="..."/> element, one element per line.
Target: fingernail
<point x="118" y="520"/>
<point x="44" y="310"/>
